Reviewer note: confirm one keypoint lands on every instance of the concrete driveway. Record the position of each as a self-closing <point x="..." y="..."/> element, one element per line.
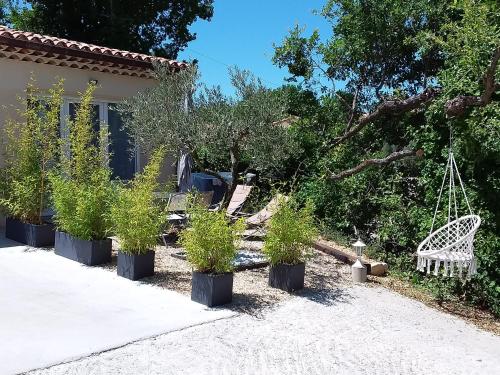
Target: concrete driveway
<point x="53" y="310"/>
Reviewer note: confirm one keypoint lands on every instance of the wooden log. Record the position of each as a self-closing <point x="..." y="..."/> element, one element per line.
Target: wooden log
<point x="343" y="256"/>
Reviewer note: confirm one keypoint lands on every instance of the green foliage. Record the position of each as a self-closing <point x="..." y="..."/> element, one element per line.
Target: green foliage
<point x="82" y="210"/>
<point x="221" y="132"/>
<point x="291" y="232"/>
<point x="372" y="42"/>
<point x="82" y="192"/>
<point x="211" y="241"/>
<point x="86" y="150"/>
<point x="154" y="121"/>
<point x="452" y="44"/>
<point x="159" y="27"/>
<point x="31" y="149"/>
<point x="137" y="219"/>
<point x="242" y="129"/>
<point x="3" y="12"/>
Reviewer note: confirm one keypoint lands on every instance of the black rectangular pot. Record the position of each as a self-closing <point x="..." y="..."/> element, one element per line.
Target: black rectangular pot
<point x="287" y="277"/>
<point x="90" y="253"/>
<point x="30" y="234"/>
<point x="135" y="267"/>
<point x="212" y="289"/>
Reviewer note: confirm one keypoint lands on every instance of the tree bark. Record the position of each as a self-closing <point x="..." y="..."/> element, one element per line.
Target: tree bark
<point x="235" y="161"/>
<point x="390" y="107"/>
<point x="398" y="155"/>
<point x="455" y="107"/>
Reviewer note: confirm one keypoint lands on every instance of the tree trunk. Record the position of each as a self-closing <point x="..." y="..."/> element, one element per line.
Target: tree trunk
<point x="235" y="161"/>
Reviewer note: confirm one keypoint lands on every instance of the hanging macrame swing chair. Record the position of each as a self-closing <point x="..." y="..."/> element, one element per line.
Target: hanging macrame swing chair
<point x="452" y="245"/>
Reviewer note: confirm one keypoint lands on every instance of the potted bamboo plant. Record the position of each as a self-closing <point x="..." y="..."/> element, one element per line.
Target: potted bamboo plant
<point x="210" y="242"/>
<point x="138" y="220"/>
<point x="82" y="191"/>
<point x="30" y="149"/>
<point x="291" y="232"/>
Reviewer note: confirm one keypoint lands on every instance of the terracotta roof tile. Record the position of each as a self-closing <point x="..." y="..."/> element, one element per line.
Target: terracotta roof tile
<point x="44" y="42"/>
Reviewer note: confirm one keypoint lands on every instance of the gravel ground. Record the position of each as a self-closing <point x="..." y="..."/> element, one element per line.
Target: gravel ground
<point x="356" y="330"/>
<point x="332" y="326"/>
<point x="251" y="294"/>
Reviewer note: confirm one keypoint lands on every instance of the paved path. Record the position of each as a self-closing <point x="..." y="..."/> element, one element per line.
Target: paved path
<point x="360" y="330"/>
<point x="54" y="310"/>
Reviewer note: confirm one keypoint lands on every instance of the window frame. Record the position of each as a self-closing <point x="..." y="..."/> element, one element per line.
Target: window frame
<point x="103" y="117"/>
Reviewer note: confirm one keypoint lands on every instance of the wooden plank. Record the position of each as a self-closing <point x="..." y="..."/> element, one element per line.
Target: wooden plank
<point x="343" y="256"/>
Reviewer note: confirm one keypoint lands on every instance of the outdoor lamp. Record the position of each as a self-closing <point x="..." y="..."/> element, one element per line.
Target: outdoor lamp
<point x="359" y="247"/>
<point x="358" y="268"/>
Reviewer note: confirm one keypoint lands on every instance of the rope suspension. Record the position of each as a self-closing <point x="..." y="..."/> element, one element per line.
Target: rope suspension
<point x="450" y="249"/>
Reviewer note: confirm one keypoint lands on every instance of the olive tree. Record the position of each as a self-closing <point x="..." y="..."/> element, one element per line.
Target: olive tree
<point x="179" y="113"/>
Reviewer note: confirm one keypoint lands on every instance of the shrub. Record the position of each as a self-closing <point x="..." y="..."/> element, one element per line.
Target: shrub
<point x="31" y="148"/>
<point x="394" y="205"/>
<point x="83" y="209"/>
<point x="290" y="233"/>
<point x="137" y="220"/>
<point x="82" y="192"/>
<point x="211" y="241"/>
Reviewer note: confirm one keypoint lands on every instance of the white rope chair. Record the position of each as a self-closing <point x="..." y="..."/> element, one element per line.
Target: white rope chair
<point x="452" y="245"/>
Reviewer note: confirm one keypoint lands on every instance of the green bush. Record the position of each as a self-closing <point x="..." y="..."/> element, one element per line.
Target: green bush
<point x="82" y="210"/>
<point x="137" y="220"/>
<point x="82" y="192"/>
<point x="290" y="233"/>
<point x="210" y="241"/>
<point x="394" y="205"/>
<point x="30" y="150"/>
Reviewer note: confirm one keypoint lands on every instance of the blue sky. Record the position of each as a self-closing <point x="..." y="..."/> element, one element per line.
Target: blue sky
<point x="242" y="33"/>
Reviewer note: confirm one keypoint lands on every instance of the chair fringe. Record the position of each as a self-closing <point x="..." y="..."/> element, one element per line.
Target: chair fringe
<point x="466" y="268"/>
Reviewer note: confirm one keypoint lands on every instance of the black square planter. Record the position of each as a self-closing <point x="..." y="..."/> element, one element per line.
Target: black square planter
<point x="212" y="289"/>
<point x="135" y="267"/>
<point x="90" y="253"/>
<point x="287" y="277"/>
<point x="29" y="234"/>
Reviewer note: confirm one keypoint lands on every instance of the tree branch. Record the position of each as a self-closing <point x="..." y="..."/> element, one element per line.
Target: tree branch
<point x="353" y="109"/>
<point x="398" y="155"/>
<point x="390" y="107"/>
<point x="457" y="106"/>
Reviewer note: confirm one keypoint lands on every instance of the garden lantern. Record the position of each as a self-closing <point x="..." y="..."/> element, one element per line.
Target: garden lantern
<point x="358" y="268"/>
<point x="359" y="247"/>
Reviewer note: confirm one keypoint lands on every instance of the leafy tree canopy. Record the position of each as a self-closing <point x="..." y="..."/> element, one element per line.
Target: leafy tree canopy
<point x="373" y="45"/>
<point x="412" y="70"/>
<point x="145" y="26"/>
<point x="221" y="132"/>
<point x="3" y="12"/>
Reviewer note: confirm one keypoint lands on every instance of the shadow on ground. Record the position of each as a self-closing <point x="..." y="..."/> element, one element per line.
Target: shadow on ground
<point x="5" y="242"/>
<point x="253" y="304"/>
<point x="325" y="281"/>
<point x="179" y="281"/>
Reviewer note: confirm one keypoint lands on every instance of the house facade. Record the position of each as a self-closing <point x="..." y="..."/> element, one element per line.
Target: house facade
<point x="118" y="75"/>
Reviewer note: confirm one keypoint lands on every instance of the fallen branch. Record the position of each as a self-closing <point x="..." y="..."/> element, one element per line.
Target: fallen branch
<point x="398" y="155"/>
<point x="390" y="107"/>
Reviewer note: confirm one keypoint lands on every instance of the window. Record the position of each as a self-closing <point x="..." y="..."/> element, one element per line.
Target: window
<point x="97" y="117"/>
<point x="122" y="159"/>
<point x="122" y="152"/>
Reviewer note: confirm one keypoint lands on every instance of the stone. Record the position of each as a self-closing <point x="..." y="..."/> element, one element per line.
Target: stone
<point x="378" y="269"/>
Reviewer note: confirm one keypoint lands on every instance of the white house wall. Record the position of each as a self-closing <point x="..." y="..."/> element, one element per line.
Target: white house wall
<point x="15" y="75"/>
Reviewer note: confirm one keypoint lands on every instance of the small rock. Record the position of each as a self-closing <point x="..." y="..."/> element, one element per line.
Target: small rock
<point x="378" y="269"/>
